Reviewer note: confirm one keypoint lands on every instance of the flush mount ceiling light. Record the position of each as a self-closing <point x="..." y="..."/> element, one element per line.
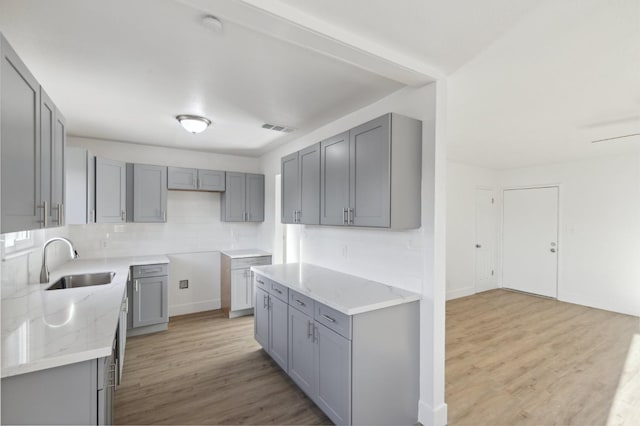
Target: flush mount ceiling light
<point x="193" y="123"/>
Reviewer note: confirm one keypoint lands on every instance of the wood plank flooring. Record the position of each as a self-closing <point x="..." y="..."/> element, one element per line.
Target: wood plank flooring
<point x="514" y="359"/>
<point x="207" y="369"/>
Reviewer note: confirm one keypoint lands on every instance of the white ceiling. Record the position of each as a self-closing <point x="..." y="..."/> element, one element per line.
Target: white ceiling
<point x="566" y="75"/>
<point x="122" y="70"/>
<point x="443" y="33"/>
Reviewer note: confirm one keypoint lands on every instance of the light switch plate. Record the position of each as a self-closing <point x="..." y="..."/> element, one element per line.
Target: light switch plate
<point x="184" y="284"/>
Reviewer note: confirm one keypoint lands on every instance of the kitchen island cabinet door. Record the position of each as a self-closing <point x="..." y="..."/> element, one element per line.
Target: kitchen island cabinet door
<point x="111" y="191"/>
<point x="334" y="180"/>
<point x="301" y="351"/>
<point x="261" y="318"/>
<point x="333" y="374"/>
<point x="278" y="331"/>
<point x="150" y="301"/>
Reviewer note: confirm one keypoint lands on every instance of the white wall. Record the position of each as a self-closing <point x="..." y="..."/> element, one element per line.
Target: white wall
<point x="193" y="234"/>
<point x="462" y="182"/>
<point x="404" y="259"/>
<point x="599" y="244"/>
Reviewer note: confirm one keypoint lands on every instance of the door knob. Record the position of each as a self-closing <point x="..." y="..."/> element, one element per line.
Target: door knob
<point x="478" y="246"/>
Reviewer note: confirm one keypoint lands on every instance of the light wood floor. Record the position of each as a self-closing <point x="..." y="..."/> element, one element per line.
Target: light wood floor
<point x="207" y="369"/>
<point x="518" y="359"/>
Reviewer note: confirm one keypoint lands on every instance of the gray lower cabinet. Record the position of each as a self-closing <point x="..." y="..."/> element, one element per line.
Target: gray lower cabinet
<point x="236" y="283"/>
<point x="111" y="191"/>
<point x="195" y="179"/>
<point x="359" y="369"/>
<point x="271" y="323"/>
<point x="74" y="394"/>
<point x="148" y="291"/>
<point x="32" y="137"/>
<point x="146" y="193"/>
<point x="300" y="181"/>
<point x="80" y="198"/>
<point x="243" y="199"/>
<point x="371" y="175"/>
<point x="302" y="351"/>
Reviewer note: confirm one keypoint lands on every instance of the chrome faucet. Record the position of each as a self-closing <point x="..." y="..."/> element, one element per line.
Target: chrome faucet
<point x="44" y="272"/>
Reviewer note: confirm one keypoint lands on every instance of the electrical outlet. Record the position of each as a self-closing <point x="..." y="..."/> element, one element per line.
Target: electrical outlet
<point x="184" y="284"/>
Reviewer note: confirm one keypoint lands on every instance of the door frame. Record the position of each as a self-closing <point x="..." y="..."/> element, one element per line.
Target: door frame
<point x="497" y="234"/>
<point x="560" y="234"/>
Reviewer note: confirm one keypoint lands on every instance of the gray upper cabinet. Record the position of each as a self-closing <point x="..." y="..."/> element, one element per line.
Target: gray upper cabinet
<point x="32" y="139"/>
<point x="371" y="175"/>
<point x="79" y="186"/>
<point x="111" y="189"/>
<point x="58" y="169"/>
<point x="243" y="199"/>
<point x="20" y="144"/>
<point x="211" y="180"/>
<point x="334" y="180"/>
<point x="232" y="201"/>
<point x="195" y="179"/>
<point x="255" y="198"/>
<point x="290" y="183"/>
<point x="47" y="135"/>
<point x="182" y="178"/>
<point x="300" y="180"/>
<point x="147" y="193"/>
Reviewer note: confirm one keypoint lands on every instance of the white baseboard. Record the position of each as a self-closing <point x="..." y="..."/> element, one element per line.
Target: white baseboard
<point x="487" y="287"/>
<point x="427" y="416"/>
<point x="191" y="308"/>
<point x="455" y="294"/>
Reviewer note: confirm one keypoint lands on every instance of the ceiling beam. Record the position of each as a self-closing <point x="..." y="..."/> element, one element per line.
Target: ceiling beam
<point x="286" y="23"/>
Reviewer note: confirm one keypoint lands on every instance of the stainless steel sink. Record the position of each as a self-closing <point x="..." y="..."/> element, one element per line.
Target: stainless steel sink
<point x="82" y="280"/>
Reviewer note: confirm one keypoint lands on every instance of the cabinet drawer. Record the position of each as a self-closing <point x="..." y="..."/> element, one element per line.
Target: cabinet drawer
<point x="142" y="271"/>
<point x="247" y="262"/>
<point x="336" y="321"/>
<point x="301" y="302"/>
<point x="262" y="282"/>
<point x="279" y="291"/>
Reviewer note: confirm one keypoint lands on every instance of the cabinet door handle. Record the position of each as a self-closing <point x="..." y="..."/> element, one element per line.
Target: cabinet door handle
<point x="260" y="281"/>
<point x="44" y="214"/>
<point x="309" y="329"/>
<point x="351" y="216"/>
<point x="137" y="286"/>
<point x="344" y="216"/>
<point x="123" y="215"/>
<point x="93" y="215"/>
<point x="328" y="318"/>
<point x="264" y="302"/>
<point x="276" y="289"/>
<point x="314" y="338"/>
<point x="164" y="215"/>
<point x="300" y="302"/>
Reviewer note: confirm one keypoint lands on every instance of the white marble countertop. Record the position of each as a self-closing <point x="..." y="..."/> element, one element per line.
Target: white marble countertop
<point x="346" y="293"/>
<point x="238" y="254"/>
<point x="45" y="329"/>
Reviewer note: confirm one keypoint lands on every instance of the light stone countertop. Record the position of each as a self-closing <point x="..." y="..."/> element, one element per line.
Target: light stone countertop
<point x="346" y="293"/>
<point x="238" y="254"/>
<point x="45" y="329"/>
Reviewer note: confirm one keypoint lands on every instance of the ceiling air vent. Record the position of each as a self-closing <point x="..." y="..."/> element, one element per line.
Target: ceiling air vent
<point x="276" y="128"/>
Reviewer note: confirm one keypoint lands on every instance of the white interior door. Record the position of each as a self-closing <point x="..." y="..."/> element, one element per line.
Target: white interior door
<point x="530" y="240"/>
<point x="485" y="239"/>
